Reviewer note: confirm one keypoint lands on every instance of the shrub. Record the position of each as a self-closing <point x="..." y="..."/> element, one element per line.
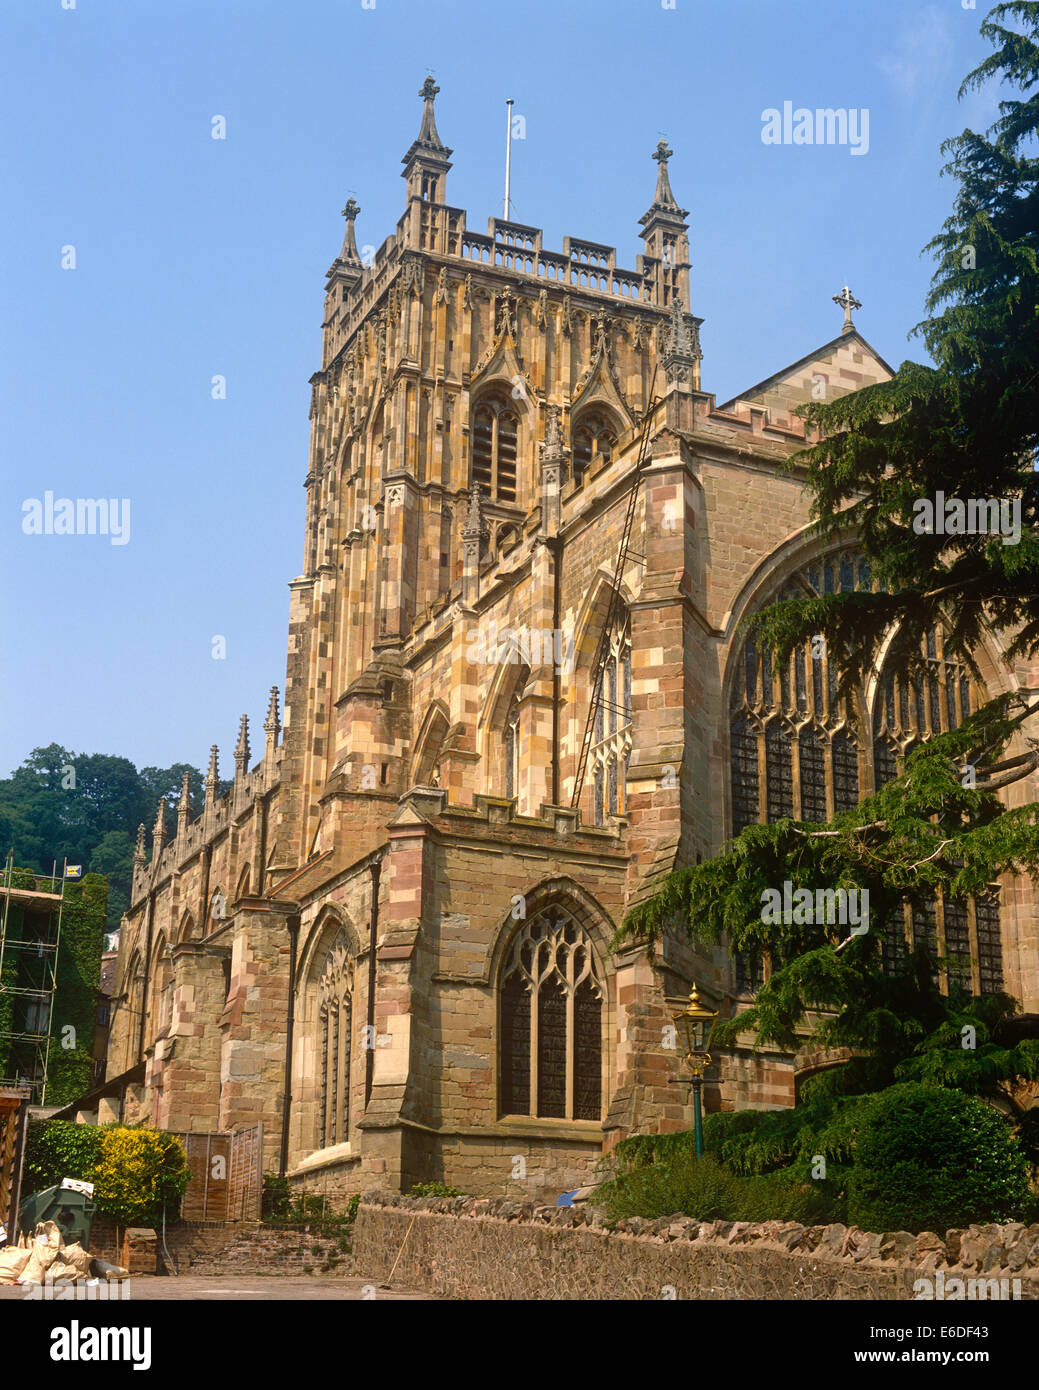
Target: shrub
<point x="138" y="1172"/>
<point x="706" y="1189"/>
<point x="277" y="1196"/>
<point x="435" y="1189"/>
<point x="56" y="1149"/>
<point x="927" y="1158"/>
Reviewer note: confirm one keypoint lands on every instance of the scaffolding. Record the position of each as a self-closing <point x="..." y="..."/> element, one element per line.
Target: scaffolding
<point x="30" y="934"/>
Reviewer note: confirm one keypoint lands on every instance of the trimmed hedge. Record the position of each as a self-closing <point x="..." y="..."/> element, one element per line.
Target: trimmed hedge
<point x="927" y="1159"/>
<point x="913" y="1157"/>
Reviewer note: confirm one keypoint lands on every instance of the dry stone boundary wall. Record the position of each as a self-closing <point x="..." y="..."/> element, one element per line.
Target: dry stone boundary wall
<point x="471" y="1248"/>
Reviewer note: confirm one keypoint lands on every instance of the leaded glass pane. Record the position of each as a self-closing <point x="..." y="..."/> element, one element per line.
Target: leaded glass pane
<point x="515" y="1047"/>
<point x="587" y="1053"/>
<point x="552" y="1050"/>
<point x="744" y="760"/>
<point x="990" y="948"/>
<point x="845" y="773"/>
<point x="779" y="774"/>
<point x="813" y="776"/>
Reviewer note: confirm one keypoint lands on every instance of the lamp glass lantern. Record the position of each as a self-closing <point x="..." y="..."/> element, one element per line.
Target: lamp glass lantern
<point x="696" y="1024"/>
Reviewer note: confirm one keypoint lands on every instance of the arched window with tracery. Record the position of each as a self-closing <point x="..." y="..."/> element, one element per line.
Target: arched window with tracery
<point x="551" y="1022"/>
<point x="494" y="444"/>
<point x="611" y="740"/>
<point x="335" y="1021"/>
<point x="797" y="751"/>
<point x="594" y="440"/>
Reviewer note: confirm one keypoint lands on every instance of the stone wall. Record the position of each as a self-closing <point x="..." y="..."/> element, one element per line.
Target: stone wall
<point x="232" y="1248"/>
<point x="468" y="1248"/>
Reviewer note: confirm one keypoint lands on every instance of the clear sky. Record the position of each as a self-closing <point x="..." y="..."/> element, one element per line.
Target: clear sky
<point x="197" y="257"/>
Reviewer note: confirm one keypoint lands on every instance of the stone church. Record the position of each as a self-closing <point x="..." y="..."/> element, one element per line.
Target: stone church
<point x="389" y="940"/>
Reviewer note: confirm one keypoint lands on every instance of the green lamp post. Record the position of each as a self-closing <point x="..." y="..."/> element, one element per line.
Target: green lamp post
<point x="696" y="1026"/>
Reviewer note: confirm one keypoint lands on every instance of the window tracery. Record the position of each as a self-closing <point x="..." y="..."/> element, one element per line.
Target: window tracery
<point x="551" y="1022"/>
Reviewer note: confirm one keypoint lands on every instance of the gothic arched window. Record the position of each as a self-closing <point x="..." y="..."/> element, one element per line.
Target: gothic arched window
<point x="495" y="438"/>
<point x="611" y="746"/>
<point x="594" y="438"/>
<point x="796" y="752"/>
<point x="551" y="1002"/>
<point x="335" y="1015"/>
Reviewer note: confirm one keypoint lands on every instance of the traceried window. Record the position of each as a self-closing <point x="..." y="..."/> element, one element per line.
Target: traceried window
<point x="335" y="1017"/>
<point x="495" y="438"/>
<point x="796" y="751"/>
<point x="551" y="1003"/>
<point x="594" y="439"/>
<point x="611" y="740"/>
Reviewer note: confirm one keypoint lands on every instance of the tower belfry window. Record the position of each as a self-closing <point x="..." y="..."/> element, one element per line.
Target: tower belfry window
<point x="594" y="440"/>
<point x="495" y="439"/>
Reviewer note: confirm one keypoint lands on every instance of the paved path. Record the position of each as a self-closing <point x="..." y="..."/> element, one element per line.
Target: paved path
<point x="254" y="1288"/>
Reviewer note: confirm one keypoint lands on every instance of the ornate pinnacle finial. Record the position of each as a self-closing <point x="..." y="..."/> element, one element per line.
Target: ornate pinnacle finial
<point x="428" y="134"/>
<point x="664" y="202"/>
<point x="212" y="776"/>
<point x="664" y="199"/>
<point x="349" y="252"/>
<point x="184" y="804"/>
<point x="241" y="752"/>
<point x="159" y="832"/>
<point x="847" y="302"/>
<point x="272" y="724"/>
<point x="138" y="854"/>
<point x="475" y="526"/>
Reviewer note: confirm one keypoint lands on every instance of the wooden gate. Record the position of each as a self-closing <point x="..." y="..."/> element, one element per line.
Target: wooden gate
<point x="226" y="1175"/>
<point x="14" y="1112"/>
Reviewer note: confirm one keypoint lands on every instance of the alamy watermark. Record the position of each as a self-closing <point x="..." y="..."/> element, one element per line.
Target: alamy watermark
<point x="824" y="907"/>
<point x="975" y="516"/>
<point x="515" y="645"/>
<point x="953" y="1290"/>
<point x="80" y="516"/>
<point x="822" y="126"/>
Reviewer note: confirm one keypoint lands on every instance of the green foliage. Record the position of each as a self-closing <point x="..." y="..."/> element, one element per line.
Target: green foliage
<point x="968" y="426"/>
<point x="912" y="1157"/>
<point x="93" y="822"/>
<point x="706" y="1189"/>
<point x="134" y="1170"/>
<point x="927" y="1159"/>
<point x="56" y="1149"/>
<point x="70" y="1069"/>
<point x="74" y="1012"/>
<point x="435" y="1189"/>
<point x="307" y="1211"/>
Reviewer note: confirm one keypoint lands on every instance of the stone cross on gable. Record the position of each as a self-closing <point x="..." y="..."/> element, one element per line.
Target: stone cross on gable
<point x="662" y="154"/>
<point x="351" y="210"/>
<point x="847" y="302"/>
<point x="429" y="89"/>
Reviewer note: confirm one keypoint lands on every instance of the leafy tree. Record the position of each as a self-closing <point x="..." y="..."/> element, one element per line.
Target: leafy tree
<point x="85" y="808"/>
<point x="967" y="426"/>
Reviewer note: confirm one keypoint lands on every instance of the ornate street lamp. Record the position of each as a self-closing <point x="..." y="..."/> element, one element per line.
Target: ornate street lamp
<point x="696" y="1026"/>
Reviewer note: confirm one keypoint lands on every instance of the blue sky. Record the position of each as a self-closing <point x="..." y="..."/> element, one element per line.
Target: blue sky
<point x="197" y="257"/>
